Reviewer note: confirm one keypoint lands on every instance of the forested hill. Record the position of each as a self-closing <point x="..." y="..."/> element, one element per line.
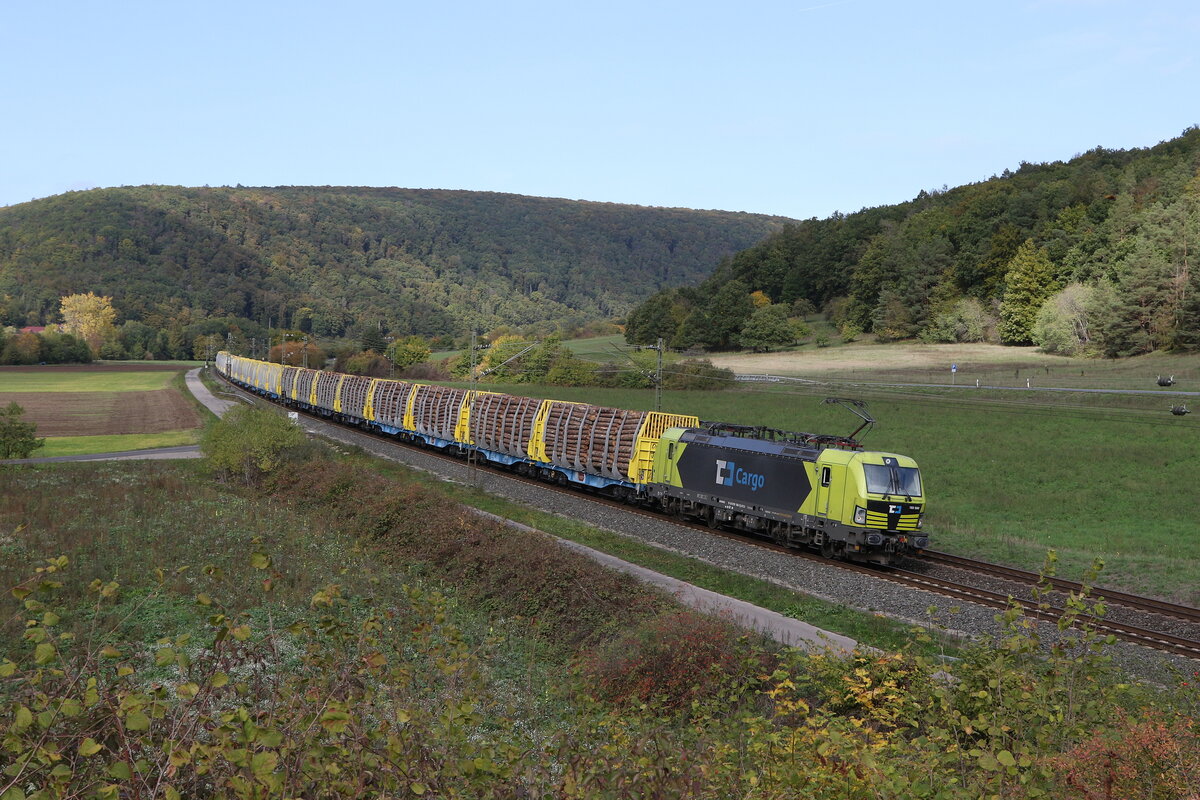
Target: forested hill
<point x="1095" y="254"/>
<point x="325" y="259"/>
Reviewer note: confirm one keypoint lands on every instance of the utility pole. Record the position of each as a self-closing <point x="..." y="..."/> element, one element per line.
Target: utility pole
<point x="472" y="468"/>
<point x="658" y="377"/>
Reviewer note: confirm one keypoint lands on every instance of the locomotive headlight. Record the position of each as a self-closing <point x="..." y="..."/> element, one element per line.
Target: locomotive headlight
<point x="860" y="515"/>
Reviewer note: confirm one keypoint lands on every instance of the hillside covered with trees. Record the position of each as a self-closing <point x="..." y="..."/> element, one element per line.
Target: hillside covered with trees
<point x="184" y="262"/>
<point x="1090" y="256"/>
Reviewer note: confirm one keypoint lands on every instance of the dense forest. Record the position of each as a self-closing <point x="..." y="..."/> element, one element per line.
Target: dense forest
<point x="1088" y="256"/>
<point x="183" y="262"/>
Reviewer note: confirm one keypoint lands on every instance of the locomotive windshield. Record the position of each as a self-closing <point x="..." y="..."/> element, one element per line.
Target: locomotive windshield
<point x="883" y="479"/>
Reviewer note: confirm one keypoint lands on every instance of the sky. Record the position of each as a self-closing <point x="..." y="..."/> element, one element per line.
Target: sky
<point x="798" y="109"/>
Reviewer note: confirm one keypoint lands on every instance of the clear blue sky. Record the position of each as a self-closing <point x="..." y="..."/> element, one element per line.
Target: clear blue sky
<point x="792" y="108"/>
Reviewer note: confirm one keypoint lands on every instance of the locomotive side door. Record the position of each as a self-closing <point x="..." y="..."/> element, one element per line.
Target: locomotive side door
<point x="831" y="487"/>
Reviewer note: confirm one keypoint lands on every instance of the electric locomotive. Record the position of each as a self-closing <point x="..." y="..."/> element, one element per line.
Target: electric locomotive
<point x="794" y="488"/>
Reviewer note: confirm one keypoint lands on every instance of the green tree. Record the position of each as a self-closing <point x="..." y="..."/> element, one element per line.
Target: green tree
<point x="1065" y="323"/>
<point x="767" y="327"/>
<point x="249" y="443"/>
<point x="407" y="352"/>
<point x="658" y="316"/>
<point x="63" y="348"/>
<point x="18" y="439"/>
<point x="728" y="312"/>
<point x="1027" y="284"/>
<point x="964" y="321"/>
<point x="372" y="340"/>
<point x="24" y="348"/>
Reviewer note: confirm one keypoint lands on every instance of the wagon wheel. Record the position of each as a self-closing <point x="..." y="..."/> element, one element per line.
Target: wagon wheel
<point x="827" y="547"/>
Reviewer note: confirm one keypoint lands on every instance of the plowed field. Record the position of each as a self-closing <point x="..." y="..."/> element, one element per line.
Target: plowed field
<point x="105" y="413"/>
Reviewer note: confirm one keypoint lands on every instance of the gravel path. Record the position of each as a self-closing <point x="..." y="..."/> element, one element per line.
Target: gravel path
<point x="859" y="592"/>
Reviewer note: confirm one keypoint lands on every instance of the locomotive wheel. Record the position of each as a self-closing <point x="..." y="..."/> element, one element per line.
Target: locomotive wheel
<point x="710" y="517"/>
<point x="827" y="547"/>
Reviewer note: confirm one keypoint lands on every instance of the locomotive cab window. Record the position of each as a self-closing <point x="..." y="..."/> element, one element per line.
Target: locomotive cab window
<point x="886" y="479"/>
<point x="825" y="476"/>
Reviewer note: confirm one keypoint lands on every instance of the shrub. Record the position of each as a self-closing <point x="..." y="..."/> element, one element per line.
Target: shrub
<point x="1147" y="757"/>
<point x="674" y="659"/>
<point x="696" y="373"/>
<point x="18" y="439"/>
<point x="965" y="321"/>
<point x="249" y="442"/>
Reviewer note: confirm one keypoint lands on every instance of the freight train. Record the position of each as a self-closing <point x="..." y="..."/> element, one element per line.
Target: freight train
<point x="800" y="490"/>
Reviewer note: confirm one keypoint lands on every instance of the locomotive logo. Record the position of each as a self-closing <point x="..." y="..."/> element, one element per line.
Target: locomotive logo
<point x="729" y="473"/>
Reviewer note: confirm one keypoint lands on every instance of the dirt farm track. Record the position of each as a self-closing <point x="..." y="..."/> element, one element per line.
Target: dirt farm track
<point x="99" y="413"/>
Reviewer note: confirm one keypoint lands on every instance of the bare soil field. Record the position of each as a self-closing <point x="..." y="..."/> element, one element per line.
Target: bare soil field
<point x="105" y="413"/>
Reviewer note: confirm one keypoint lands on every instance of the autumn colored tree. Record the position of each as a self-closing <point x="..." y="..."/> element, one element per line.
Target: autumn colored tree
<point x="90" y="317"/>
<point x="760" y="299"/>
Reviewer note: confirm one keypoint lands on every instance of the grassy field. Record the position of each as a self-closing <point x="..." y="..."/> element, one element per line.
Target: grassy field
<point x="85" y="445"/>
<point x="84" y="380"/>
<point x="1008" y="474"/>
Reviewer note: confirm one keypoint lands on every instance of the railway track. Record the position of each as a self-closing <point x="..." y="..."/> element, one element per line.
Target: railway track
<point x="1139" y="634"/>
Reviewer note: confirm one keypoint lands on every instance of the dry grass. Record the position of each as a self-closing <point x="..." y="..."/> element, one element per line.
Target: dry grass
<point x="992" y="365"/>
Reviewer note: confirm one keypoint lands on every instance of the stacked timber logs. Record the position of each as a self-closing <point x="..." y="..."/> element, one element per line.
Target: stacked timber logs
<point x="592" y="438"/>
<point x="354" y="395"/>
<point x="503" y="422"/>
<point x="436" y="410"/>
<point x="287" y="382"/>
<point x="304" y="384"/>
<point x="327" y="383"/>
<point x="391" y="401"/>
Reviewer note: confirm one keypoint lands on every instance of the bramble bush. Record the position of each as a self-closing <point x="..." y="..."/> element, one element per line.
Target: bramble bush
<point x="674" y="660"/>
